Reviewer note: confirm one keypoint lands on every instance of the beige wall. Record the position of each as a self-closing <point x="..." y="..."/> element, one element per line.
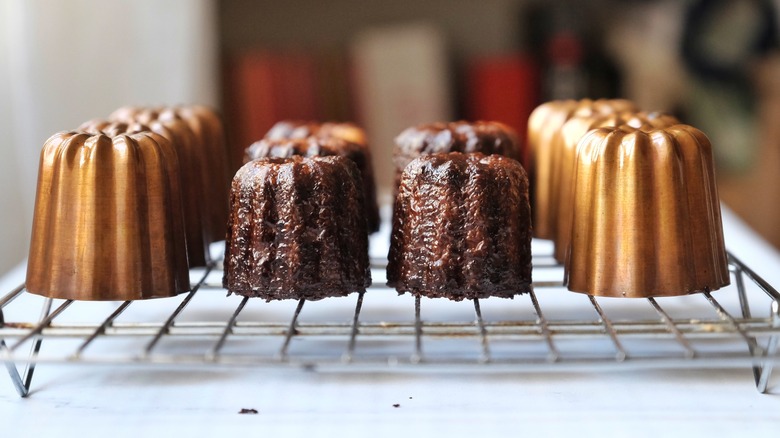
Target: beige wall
<point x="62" y="63"/>
<point x="13" y="215"/>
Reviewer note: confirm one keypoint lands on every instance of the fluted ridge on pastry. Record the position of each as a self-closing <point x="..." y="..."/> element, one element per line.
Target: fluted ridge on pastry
<point x="296" y="229"/>
<point x="647" y="218"/>
<point x="461" y="228"/>
<point x="290" y="137"/>
<point x="297" y="129"/>
<point x="462" y="136"/>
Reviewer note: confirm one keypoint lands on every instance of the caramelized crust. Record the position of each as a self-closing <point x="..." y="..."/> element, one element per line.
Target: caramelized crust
<point x="326" y="139"/>
<point x="296" y="229"/>
<point x="467" y="137"/>
<point x="289" y="129"/>
<point x="461" y="228"/>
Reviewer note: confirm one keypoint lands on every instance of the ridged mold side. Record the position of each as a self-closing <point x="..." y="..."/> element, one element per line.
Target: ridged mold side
<point x="646" y="220"/>
<point x="197" y="180"/>
<point x="108" y="221"/>
<point x="571" y="133"/>
<point x="544" y="128"/>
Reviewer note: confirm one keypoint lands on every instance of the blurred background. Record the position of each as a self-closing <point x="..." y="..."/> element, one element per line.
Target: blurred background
<point x="388" y="65"/>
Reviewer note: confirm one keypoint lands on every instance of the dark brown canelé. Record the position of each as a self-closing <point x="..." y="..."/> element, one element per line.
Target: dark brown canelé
<point x="343" y="139"/>
<point x="296" y="229"/>
<point x="461" y="228"/>
<point x="468" y="137"/>
<point x="299" y="129"/>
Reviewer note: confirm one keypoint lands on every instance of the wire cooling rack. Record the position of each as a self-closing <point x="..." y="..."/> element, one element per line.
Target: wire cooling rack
<point x="547" y="330"/>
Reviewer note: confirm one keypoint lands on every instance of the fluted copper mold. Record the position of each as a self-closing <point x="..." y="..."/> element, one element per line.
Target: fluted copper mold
<point x="108" y="222"/>
<point x="467" y="137"/>
<point x="461" y="228"/>
<point x="544" y="125"/>
<point x="198" y="175"/>
<point x="206" y="124"/>
<point x="344" y="139"/>
<point x="646" y="217"/>
<point x="296" y="229"/>
<point x="561" y="190"/>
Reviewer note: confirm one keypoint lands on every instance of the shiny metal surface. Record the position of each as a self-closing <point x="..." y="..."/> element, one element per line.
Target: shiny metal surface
<point x="208" y="128"/>
<point x="646" y="218"/>
<point x="108" y="221"/>
<point x="197" y="134"/>
<point x="561" y="190"/>
<point x="544" y="126"/>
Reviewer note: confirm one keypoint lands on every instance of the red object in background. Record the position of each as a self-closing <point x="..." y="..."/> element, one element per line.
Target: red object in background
<point x="504" y="89"/>
<point x="263" y="88"/>
<point x="565" y="49"/>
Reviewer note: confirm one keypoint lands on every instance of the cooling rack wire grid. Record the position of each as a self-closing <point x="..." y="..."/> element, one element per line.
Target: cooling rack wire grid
<point x="549" y="329"/>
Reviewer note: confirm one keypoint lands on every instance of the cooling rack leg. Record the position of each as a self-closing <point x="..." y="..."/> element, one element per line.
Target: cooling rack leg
<point x="417" y="355"/>
<point x="485" y="357"/>
<point x="762" y="383"/>
<point x="620" y="354"/>
<point x="22" y="382"/>
<point x="552" y="355"/>
<point x="745" y="309"/>
<point x="347" y="357"/>
<point x="16" y="378"/>
<point x="214" y="353"/>
<point x="291" y="331"/>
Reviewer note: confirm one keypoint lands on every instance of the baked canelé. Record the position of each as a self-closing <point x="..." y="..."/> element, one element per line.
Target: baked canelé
<point x="197" y="176"/>
<point x="461" y="228"/>
<point x="108" y="221"/>
<point x="296" y="229"/>
<point x="344" y="139"/>
<point x="544" y="125"/>
<point x="646" y="217"/>
<point x="299" y="129"/>
<point x="467" y="137"/>
<point x="561" y="193"/>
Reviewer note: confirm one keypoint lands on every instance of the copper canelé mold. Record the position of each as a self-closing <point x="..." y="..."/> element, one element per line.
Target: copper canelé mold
<point x="108" y="221"/>
<point x="646" y="218"/>
<point x="196" y="134"/>
<point x="561" y="191"/>
<point x="544" y="125"/>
